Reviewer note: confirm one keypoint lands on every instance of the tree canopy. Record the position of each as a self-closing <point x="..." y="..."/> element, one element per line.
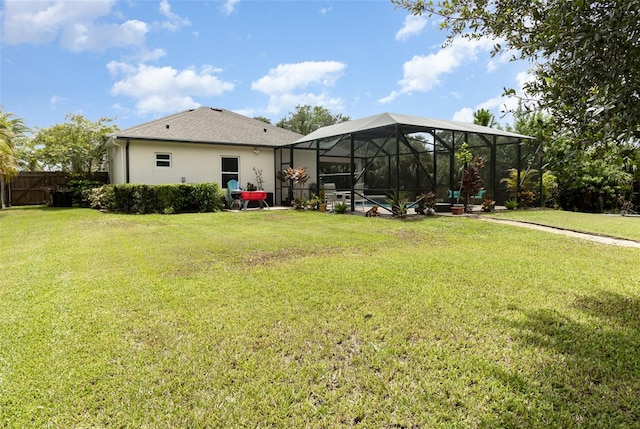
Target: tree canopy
<point x="306" y="119"/>
<point x="586" y="55"/>
<point x="76" y="146"/>
<point x="12" y="130"/>
<point x="484" y="117"/>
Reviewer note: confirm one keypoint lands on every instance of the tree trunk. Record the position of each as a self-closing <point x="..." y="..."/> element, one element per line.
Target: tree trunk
<point x="2" y="191"/>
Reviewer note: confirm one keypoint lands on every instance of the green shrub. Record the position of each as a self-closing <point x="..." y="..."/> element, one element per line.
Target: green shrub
<point x="102" y="198"/>
<point x="80" y="190"/>
<point x="167" y="199"/>
<point x="398" y="200"/>
<point x="340" y="208"/>
<point x="511" y="204"/>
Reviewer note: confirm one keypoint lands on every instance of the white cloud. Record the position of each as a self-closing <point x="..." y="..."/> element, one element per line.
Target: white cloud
<point x="145" y="55"/>
<point x="229" y="7"/>
<point x="73" y="23"/>
<point x="91" y="37"/>
<point x="42" y="21"/>
<point x="463" y="115"/>
<point x="165" y="89"/>
<point x="80" y="25"/>
<point x="286" y="83"/>
<point x="174" y="22"/>
<point x="423" y="72"/>
<point x="413" y="25"/>
<point x="325" y="10"/>
<point x="500" y="106"/>
<point x="56" y="99"/>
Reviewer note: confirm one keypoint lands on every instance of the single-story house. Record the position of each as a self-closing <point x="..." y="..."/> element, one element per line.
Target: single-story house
<point x="369" y="158"/>
<point x="198" y="145"/>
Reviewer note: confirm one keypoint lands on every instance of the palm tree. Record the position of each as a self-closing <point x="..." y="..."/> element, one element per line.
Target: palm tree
<point x="484" y="117"/>
<point x="11" y="128"/>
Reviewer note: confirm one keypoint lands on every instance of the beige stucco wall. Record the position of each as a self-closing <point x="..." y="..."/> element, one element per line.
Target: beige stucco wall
<point x="197" y="163"/>
<point x="115" y="155"/>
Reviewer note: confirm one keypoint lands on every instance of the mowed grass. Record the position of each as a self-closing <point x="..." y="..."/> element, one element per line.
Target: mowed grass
<point x="618" y="226"/>
<point x="303" y="319"/>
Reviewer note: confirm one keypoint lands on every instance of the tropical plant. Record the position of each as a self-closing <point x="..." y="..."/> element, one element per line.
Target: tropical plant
<point x="471" y="182"/>
<point x="12" y="128"/>
<point x="549" y="189"/>
<point x="298" y="177"/>
<point x="527" y="182"/>
<point x="427" y="204"/>
<point x="398" y="201"/>
<point x="488" y="205"/>
<point x="525" y="198"/>
<point x="511" y="204"/>
<point x="340" y="208"/>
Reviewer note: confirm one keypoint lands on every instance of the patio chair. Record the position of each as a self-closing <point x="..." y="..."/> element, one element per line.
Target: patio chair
<point x="234" y="194"/>
<point x="330" y="193"/>
<point x="358" y="195"/>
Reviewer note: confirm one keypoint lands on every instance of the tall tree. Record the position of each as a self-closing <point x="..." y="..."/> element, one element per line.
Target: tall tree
<point x="591" y="178"/>
<point x="77" y="146"/>
<point x="586" y="55"/>
<point x="484" y="117"/>
<point x="12" y="129"/>
<point x="263" y="119"/>
<point x="306" y="119"/>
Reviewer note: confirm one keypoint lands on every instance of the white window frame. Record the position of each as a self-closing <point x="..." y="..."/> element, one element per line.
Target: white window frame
<point x="160" y="159"/>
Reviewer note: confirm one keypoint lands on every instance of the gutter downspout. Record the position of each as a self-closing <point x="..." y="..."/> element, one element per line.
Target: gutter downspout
<point x="126" y="162"/>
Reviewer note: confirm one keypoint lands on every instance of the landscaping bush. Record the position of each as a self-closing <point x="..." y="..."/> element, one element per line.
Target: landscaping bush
<point x="167" y="199"/>
<point x="80" y="190"/>
<point x="102" y="198"/>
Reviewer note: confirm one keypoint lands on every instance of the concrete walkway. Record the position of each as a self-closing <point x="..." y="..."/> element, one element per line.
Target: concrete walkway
<point x="584" y="236"/>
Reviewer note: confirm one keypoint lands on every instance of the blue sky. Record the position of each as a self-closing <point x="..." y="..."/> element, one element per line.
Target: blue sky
<point x="137" y="60"/>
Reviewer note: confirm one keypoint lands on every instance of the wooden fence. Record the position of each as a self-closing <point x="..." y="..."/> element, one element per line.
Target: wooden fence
<point x="34" y="188"/>
<point x="37" y="187"/>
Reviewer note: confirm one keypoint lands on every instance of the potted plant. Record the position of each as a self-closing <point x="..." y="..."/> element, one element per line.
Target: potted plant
<point x="471" y="182"/>
<point x="427" y="204"/>
<point x="322" y="202"/>
<point x="313" y="203"/>
<point x="259" y="179"/>
<point x="298" y="176"/>
<point x="488" y="205"/>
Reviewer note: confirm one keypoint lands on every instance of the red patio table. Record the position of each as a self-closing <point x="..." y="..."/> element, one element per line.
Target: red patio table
<point x="260" y="196"/>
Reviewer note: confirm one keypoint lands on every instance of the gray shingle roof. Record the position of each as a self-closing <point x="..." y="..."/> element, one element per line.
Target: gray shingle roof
<point x="210" y="125"/>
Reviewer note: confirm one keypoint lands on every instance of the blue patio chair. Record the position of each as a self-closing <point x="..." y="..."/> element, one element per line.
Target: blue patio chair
<point x="234" y="194"/>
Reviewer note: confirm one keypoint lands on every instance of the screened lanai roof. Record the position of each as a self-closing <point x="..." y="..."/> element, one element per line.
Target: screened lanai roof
<point x="375" y="126"/>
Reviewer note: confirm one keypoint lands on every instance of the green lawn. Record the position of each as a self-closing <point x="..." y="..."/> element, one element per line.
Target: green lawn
<point x="611" y="225"/>
<point x="303" y="319"/>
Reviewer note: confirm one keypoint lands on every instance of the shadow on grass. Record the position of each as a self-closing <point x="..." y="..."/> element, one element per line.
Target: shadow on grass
<point x="587" y="371"/>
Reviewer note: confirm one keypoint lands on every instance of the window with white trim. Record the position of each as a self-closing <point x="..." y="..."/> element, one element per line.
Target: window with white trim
<point x="230" y="169"/>
<point x="163" y="159"/>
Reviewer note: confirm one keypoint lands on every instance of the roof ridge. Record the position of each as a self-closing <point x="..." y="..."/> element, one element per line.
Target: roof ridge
<point x="211" y="125"/>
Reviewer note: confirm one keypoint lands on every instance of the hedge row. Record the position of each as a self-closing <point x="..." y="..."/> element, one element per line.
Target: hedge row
<point x="167" y="199"/>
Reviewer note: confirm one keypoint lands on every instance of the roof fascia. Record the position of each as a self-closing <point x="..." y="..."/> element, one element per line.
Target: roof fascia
<point x="147" y="139"/>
